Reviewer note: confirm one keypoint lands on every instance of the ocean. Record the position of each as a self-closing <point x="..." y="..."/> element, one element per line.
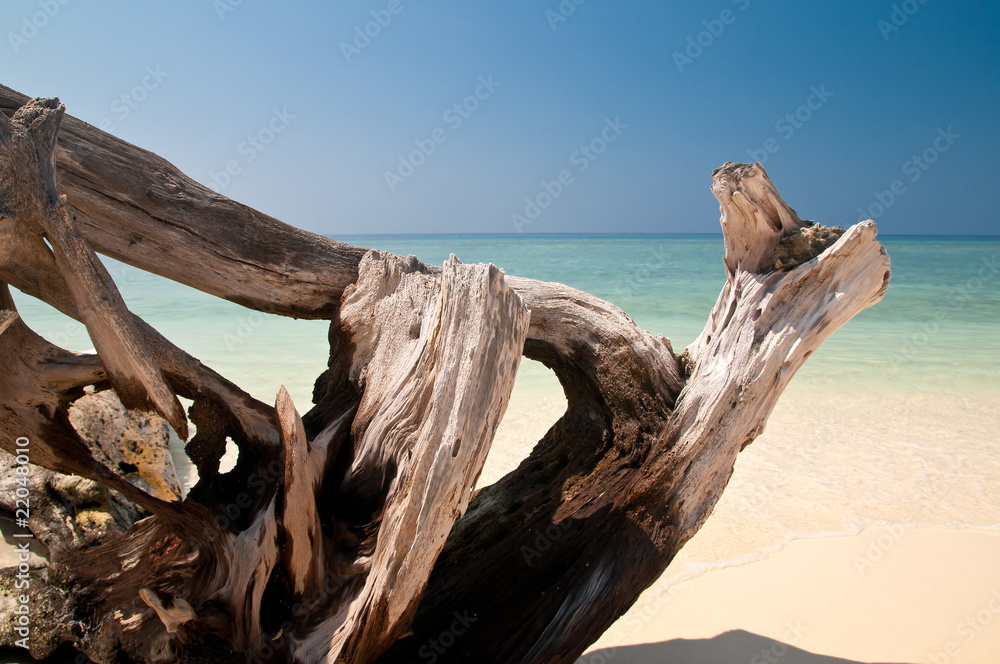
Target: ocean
<point x="892" y="421"/>
<point x="938" y="327"/>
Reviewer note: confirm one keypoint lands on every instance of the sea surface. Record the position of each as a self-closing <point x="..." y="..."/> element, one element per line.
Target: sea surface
<point x="938" y="327"/>
<point x="892" y="421"/>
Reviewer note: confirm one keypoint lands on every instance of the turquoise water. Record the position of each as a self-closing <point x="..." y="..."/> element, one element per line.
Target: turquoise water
<point x="934" y="330"/>
<point x="938" y="328"/>
<point x="892" y="421"/>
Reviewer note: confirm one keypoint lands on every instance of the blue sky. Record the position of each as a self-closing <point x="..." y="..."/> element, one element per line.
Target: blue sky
<point x="366" y="138"/>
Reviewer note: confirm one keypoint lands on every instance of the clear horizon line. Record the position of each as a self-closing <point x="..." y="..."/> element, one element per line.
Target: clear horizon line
<point x="627" y="234"/>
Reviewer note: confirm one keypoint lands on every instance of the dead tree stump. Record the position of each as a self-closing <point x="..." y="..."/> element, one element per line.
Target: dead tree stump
<point x="362" y="540"/>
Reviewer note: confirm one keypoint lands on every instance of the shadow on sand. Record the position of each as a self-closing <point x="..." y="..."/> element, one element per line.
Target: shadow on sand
<point x="728" y="648"/>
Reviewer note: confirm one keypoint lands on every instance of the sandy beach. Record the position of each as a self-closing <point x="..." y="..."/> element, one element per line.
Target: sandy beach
<point x="889" y="594"/>
<point x="340" y="239"/>
<point x="860" y="527"/>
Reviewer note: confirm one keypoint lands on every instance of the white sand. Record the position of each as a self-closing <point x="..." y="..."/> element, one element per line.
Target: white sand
<point x="861" y="525"/>
<point x="919" y="470"/>
<point x="887" y="595"/>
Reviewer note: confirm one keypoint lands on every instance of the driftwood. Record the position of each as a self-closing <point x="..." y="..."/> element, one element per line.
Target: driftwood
<point x="352" y="533"/>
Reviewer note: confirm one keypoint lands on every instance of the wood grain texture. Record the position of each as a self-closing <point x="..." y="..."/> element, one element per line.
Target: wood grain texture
<point x="352" y="534"/>
<point x="169" y="224"/>
<point x="41" y="225"/>
<point x="583" y="526"/>
<point x="300" y="520"/>
<point x="136" y="207"/>
<point x="437" y="357"/>
<point x="6" y="318"/>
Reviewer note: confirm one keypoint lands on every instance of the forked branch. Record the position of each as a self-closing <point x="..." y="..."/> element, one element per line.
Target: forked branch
<point x="352" y="534"/>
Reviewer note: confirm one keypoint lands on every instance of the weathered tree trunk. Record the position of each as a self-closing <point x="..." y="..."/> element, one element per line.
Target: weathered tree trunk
<point x="352" y="534"/>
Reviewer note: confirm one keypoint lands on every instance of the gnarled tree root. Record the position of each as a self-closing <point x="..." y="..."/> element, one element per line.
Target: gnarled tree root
<point x="352" y="534"/>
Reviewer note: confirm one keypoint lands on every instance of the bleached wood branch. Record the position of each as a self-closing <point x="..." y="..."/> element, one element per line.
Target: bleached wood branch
<point x="351" y="534"/>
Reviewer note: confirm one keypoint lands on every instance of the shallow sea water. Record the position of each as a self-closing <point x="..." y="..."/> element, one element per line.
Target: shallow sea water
<point x="893" y="420"/>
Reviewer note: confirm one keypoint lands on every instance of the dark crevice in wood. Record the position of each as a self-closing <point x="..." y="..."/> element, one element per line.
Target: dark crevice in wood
<point x="352" y="534"/>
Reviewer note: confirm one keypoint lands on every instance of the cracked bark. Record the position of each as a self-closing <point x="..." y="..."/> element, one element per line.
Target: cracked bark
<point x="361" y="539"/>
